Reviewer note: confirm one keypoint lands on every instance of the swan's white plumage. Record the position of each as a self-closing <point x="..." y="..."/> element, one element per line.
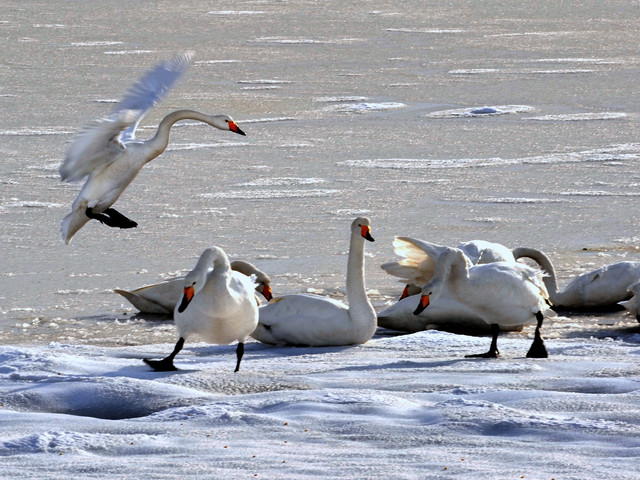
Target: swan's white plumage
<point x="313" y="320"/>
<point x="107" y="152"/>
<point x="224" y="309"/>
<point x="633" y="304"/>
<point x="499" y="293"/>
<point x="416" y="268"/>
<point x="602" y="287"/>
<point x="162" y="297"/>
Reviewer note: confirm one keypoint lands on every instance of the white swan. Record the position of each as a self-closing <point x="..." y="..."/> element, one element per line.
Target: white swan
<point x="500" y="293"/>
<point x="633" y="304"/>
<point x="313" y="320"/>
<point x="416" y="266"/>
<point x="108" y="153"/>
<point x="163" y="297"/>
<point x="218" y="305"/>
<point x="600" y="288"/>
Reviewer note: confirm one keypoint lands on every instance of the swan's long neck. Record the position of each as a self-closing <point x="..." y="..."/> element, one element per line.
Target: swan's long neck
<point x="549" y="280"/>
<point x="360" y="309"/>
<point x="160" y="141"/>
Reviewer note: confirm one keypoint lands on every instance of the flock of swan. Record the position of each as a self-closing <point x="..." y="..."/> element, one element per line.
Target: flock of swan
<point x="476" y="284"/>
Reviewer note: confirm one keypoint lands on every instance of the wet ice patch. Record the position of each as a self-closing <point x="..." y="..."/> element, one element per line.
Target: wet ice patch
<point x="579" y="117"/>
<point x="364" y="107"/>
<point x="96" y="43"/>
<point x="485" y="111"/>
<point x="35" y="131"/>
<point x="271" y="194"/>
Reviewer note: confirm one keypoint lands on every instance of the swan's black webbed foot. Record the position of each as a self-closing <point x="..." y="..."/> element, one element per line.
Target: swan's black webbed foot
<point x="538" y="348"/>
<point x="239" y="354"/>
<point x="111" y="218"/>
<point x="493" y="349"/>
<point x="164" y="365"/>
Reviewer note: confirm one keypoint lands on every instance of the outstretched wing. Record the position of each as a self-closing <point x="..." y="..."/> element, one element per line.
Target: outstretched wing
<point x="100" y="142"/>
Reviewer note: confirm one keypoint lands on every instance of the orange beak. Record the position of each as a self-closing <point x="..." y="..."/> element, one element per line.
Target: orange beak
<point x="424" y="303"/>
<point x="233" y="126"/>
<point x="405" y="293"/>
<point x="266" y="292"/>
<point x="365" y="231"/>
<point x="189" y="292"/>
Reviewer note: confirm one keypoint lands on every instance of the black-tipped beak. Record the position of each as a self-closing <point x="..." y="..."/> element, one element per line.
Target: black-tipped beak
<point x="365" y="231"/>
<point x="186" y="298"/>
<point x="233" y="126"/>
<point x="266" y="292"/>
<point x="424" y="303"/>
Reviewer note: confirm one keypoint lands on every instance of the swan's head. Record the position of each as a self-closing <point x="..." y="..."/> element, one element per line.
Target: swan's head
<point x="262" y="279"/>
<point x="225" y="122"/>
<point x="187" y="296"/>
<point x="362" y="226"/>
<point x="450" y="263"/>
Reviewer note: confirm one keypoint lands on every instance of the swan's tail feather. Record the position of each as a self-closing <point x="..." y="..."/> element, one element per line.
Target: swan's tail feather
<point x="71" y="224"/>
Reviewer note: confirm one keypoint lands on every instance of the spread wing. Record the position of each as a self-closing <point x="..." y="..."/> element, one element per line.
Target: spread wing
<point x="101" y="141"/>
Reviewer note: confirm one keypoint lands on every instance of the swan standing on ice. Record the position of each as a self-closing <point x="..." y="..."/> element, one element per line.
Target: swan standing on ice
<point x="501" y="294"/>
<point x="218" y="305"/>
<point x="603" y="287"/>
<point x="106" y="150"/>
<point x="163" y="297"/>
<point x="313" y="320"/>
<point x="416" y="268"/>
<point x="633" y="304"/>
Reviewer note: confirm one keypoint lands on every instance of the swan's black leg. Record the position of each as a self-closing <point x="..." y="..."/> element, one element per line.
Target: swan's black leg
<point x="239" y="354"/>
<point x="112" y="218"/>
<point x="493" y="349"/>
<point x="538" y="349"/>
<point x="166" y="364"/>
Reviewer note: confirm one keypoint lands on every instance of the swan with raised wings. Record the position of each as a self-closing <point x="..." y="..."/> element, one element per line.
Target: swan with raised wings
<point x="314" y="320"/>
<point x="603" y="287"/>
<point x="109" y="154"/>
<point x="218" y="305"/>
<point x="500" y="293"/>
<point x="162" y="298"/>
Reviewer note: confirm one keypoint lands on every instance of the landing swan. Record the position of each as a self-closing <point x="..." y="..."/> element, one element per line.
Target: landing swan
<point x="107" y="152"/>
<point x="603" y="287"/>
<point x="416" y="269"/>
<point x="313" y="320"/>
<point x="221" y="311"/>
<point x="500" y="293"/>
<point x="416" y="266"/>
<point x="163" y="297"/>
<point x="633" y="304"/>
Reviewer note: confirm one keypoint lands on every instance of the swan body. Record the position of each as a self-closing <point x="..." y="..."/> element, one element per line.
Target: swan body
<point x="218" y="305"/>
<point x="107" y="152"/>
<point x="314" y="320"/>
<point x="501" y="294"/>
<point x="416" y="266"/>
<point x="162" y="298"/>
<point x="633" y="304"/>
<point x="601" y="288"/>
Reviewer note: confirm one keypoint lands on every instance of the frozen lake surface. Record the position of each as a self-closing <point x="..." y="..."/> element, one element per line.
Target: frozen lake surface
<point x="467" y="120"/>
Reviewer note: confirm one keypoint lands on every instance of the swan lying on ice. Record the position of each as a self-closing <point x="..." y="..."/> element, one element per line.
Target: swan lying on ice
<point x="313" y="320"/>
<point x="222" y="310"/>
<point x="416" y="268"/>
<point x="107" y="152"/>
<point x="500" y="293"/>
<point x="163" y="297"/>
<point x="604" y="287"/>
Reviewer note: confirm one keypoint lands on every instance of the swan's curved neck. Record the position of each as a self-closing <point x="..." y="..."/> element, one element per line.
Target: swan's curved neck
<point x="359" y="304"/>
<point x="541" y="259"/>
<point x="160" y="141"/>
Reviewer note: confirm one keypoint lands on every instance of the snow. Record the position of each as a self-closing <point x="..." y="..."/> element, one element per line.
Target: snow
<point x="399" y="406"/>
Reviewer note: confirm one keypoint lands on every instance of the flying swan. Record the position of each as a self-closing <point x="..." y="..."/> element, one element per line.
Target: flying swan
<point x="313" y="320"/>
<point x="107" y="152"/>
<point x="218" y="304"/>
<point x="163" y="297"/>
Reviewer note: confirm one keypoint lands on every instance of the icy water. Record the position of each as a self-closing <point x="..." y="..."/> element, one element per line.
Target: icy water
<point x="514" y="122"/>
